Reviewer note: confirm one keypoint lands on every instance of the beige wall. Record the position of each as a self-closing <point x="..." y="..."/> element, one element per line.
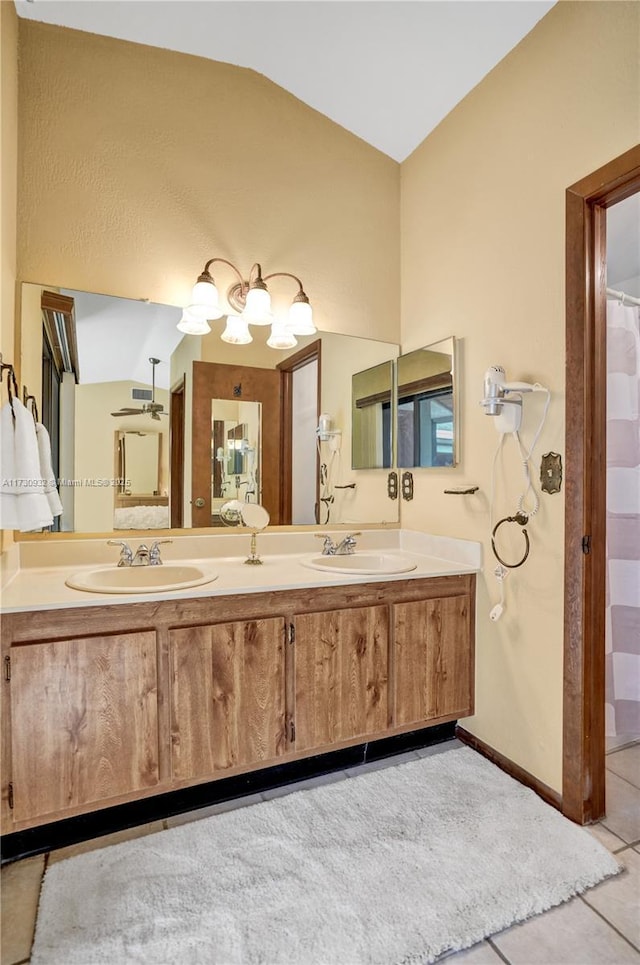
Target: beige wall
<point x="137" y="164"/>
<point x="8" y="186"/>
<point x="483" y="201"/>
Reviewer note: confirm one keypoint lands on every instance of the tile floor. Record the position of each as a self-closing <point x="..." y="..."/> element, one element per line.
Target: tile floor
<point x="601" y="928"/>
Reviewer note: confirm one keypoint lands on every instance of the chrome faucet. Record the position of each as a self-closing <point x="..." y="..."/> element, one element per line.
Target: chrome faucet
<point x="344" y="548"/>
<point x="347" y="546"/>
<point x="154" y="552"/>
<point x="142" y="556"/>
<point x="126" y="556"/>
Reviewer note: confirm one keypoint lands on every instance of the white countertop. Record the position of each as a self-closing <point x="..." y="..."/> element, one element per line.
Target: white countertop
<point x="42" y="587"/>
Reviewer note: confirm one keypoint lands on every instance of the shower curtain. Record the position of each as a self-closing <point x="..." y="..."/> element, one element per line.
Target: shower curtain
<point x="623" y="521"/>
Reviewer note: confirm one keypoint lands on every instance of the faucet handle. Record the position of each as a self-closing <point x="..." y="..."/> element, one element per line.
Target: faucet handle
<point x="154" y="552"/>
<point x="352" y="535"/>
<point x="329" y="546"/>
<point x="126" y="556"/>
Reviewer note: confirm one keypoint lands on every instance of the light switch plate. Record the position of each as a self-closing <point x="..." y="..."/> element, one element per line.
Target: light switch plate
<point x="551" y="472"/>
<point x="407" y="485"/>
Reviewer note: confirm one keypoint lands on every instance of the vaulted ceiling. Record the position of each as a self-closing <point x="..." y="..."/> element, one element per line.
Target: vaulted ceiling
<point x="387" y="70"/>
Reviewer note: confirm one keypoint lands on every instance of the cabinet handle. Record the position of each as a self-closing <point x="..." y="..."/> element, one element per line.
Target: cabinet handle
<point x="10" y="796"/>
<point x="7" y="668"/>
<point x="292" y="633"/>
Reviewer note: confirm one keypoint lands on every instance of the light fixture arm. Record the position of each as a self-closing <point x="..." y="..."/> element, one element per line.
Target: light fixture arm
<point x="287" y="274"/>
<point x="255" y="277"/>
<point x="206" y="274"/>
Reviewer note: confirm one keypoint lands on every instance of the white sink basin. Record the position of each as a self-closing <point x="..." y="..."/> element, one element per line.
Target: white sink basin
<point x="141" y="579"/>
<point x="364" y="564"/>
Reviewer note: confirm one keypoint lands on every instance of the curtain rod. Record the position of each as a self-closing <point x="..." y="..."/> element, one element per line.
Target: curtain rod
<point x="623" y="297"/>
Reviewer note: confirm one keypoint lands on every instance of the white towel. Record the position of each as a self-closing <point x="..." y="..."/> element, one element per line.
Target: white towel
<point x="46" y="470"/>
<point x="23" y="503"/>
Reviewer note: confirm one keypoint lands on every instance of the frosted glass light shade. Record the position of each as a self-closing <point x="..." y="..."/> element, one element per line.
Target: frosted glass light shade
<point x="204" y="300"/>
<point x="191" y="324"/>
<point x="257" y="309"/>
<point x="281" y="335"/>
<point x="301" y="319"/>
<point x="237" y="331"/>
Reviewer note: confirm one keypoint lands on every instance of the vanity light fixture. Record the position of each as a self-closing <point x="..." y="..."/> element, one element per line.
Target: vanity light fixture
<point x="250" y="302"/>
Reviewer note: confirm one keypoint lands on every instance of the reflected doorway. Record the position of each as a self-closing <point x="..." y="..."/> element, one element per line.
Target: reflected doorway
<point x="301" y="402"/>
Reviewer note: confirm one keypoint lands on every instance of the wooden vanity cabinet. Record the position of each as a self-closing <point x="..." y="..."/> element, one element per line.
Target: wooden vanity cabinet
<point x="84" y="723"/>
<point x="341" y="675"/>
<point x="227" y="696"/>
<point x="107" y="704"/>
<point x="433" y="669"/>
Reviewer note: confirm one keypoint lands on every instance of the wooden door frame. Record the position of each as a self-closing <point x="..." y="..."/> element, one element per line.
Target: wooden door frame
<point x="310" y="353"/>
<point x="177" y="408"/>
<point x="583" y="779"/>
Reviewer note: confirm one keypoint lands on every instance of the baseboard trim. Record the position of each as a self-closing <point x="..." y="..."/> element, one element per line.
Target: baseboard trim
<point x="509" y="767"/>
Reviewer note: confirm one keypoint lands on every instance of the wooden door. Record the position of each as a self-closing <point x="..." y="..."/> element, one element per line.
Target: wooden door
<point x="341" y="675"/>
<point x="243" y="384"/>
<point x="432" y="659"/>
<point x="83" y="721"/>
<point x="228" y="696"/>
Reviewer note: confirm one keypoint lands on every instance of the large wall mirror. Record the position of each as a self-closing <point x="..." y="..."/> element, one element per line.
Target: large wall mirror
<point x="120" y="388"/>
<point x="427" y="418"/>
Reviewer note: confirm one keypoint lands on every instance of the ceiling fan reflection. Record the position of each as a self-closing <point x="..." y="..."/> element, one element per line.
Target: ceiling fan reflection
<point x="152" y="408"/>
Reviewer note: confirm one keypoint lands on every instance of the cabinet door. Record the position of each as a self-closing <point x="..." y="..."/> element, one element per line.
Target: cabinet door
<point x="228" y="696"/>
<point x="341" y="674"/>
<point x="83" y="721"/>
<point x="432" y="659"/>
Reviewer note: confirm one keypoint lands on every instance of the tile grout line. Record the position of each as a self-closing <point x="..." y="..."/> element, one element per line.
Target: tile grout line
<point x="607" y="828"/>
<point x="623" y="747"/>
<point x="625" y="847"/>
<point x="612" y="926"/>
<point x="626" y="780"/>
<point x="498" y="952"/>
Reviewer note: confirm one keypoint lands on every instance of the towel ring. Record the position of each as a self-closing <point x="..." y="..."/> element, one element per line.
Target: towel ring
<point x="521" y="519"/>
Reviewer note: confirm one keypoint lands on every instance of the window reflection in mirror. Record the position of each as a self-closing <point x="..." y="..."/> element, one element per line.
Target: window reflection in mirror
<point x="372" y="443"/>
<point x="426" y="419"/>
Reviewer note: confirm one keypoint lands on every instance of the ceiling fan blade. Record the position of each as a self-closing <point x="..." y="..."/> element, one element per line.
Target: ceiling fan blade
<point x="126" y="412"/>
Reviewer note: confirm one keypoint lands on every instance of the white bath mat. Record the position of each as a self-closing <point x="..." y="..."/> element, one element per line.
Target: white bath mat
<point x="393" y="866"/>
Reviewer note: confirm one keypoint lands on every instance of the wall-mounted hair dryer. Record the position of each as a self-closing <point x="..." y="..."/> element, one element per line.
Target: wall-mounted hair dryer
<point x="503" y="399"/>
<point x="326" y="433"/>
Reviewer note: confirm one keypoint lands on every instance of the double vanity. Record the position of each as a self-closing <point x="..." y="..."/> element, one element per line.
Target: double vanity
<point x="122" y="683"/>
